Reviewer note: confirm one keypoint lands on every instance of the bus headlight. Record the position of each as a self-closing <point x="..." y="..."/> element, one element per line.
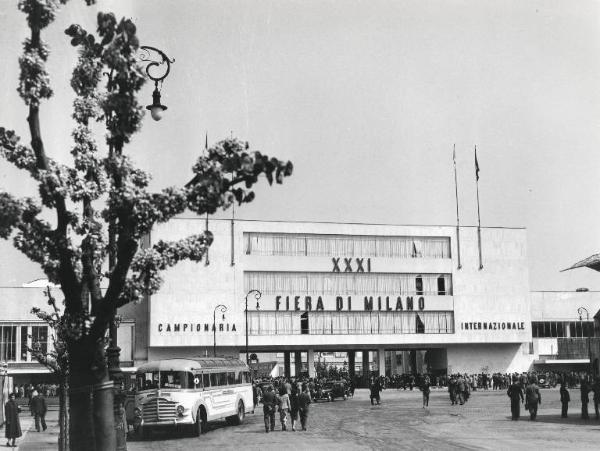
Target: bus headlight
<point x="137" y="413"/>
<point x="180" y="410"/>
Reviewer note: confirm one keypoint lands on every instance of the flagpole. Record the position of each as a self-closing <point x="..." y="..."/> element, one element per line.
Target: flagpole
<point x="457" y="218"/>
<point x="478" y="214"/>
<point x="207" y="262"/>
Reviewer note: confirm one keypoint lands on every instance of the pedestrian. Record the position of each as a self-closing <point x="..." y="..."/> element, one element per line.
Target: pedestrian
<point x="425" y="388"/>
<point x="461" y="388"/>
<point x="533" y="398"/>
<point x="515" y="393"/>
<point x="12" y="425"/>
<point x="374" y="390"/>
<point x="269" y="402"/>
<point x="452" y="389"/>
<point x="294" y="407"/>
<point x="39" y="408"/>
<point x="585" y="398"/>
<point x="564" y="399"/>
<point x="303" y="404"/>
<point x="284" y="406"/>
<point x="596" y="388"/>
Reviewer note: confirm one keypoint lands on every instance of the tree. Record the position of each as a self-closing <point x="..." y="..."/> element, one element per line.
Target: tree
<point x="102" y="193"/>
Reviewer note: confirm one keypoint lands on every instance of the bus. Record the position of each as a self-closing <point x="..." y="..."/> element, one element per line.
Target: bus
<point x="190" y="393"/>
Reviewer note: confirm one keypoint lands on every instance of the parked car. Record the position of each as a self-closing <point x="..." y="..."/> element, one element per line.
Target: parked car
<point x="331" y="390"/>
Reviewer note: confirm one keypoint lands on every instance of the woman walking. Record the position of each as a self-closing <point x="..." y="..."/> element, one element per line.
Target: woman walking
<point x="11" y="416"/>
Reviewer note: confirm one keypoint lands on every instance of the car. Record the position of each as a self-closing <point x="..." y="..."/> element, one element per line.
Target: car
<point x="329" y="391"/>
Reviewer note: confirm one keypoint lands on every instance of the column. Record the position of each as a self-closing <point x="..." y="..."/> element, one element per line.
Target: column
<point x="297" y="363"/>
<point x="365" y="368"/>
<point x="311" y="363"/>
<point x="381" y="361"/>
<point x="394" y="364"/>
<point x="351" y="364"/>
<point x="287" y="371"/>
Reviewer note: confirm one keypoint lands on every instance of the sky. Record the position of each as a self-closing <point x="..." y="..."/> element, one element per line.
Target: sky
<point x="367" y="99"/>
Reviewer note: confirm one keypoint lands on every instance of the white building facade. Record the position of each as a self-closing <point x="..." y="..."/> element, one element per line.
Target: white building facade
<point x="349" y="288"/>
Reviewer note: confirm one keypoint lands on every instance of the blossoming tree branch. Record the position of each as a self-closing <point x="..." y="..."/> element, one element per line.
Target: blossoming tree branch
<point x="103" y="189"/>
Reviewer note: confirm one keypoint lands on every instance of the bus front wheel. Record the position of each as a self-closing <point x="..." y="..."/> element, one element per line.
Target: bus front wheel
<point x="200" y="427"/>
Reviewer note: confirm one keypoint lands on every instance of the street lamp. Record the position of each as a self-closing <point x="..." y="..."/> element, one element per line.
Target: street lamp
<point x="580" y="311"/>
<point x="223" y="310"/>
<point x="156" y="109"/>
<point x="257" y="295"/>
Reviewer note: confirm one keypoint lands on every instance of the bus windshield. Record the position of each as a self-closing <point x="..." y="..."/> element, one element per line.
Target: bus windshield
<point x="165" y="379"/>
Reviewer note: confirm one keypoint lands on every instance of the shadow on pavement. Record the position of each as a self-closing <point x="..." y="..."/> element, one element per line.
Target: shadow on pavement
<point x="575" y="419"/>
<point x="174" y="434"/>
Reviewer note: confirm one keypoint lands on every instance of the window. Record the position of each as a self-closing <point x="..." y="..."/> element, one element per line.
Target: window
<point x="419" y="285"/>
<point x="304" y="324"/>
<point x="8" y="343"/>
<point x="39" y="338"/>
<point x="222" y="378"/>
<point x="231" y="378"/>
<point x="206" y="380"/>
<point x="193" y="378"/>
<point x="441" y="283"/>
<point x="24" y="351"/>
<point x="214" y="380"/>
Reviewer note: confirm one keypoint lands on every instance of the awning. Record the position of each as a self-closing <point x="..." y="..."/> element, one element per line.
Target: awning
<point x="592" y="262"/>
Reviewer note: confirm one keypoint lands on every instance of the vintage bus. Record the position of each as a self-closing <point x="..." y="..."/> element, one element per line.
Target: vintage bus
<point x="191" y="392"/>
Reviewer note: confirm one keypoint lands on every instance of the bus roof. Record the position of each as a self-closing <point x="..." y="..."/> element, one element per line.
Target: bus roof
<point x="200" y="363"/>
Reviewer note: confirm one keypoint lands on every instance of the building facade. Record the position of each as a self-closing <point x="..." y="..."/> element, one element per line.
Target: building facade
<point x="382" y="291"/>
<point x="376" y="299"/>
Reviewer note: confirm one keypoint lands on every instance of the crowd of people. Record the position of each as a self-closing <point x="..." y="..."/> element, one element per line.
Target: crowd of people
<point x="290" y="397"/>
<point x="26" y="390"/>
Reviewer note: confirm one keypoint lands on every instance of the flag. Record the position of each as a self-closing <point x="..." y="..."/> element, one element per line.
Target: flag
<point x="476" y="165"/>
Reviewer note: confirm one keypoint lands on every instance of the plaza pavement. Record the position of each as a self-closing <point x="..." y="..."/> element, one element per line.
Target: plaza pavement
<point x="398" y="423"/>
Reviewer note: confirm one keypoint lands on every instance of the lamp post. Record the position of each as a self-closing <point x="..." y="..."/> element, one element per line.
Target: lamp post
<point x="156" y="108"/>
<point x="223" y="310"/>
<point x="580" y="311"/>
<point x="257" y="295"/>
<point x="113" y="351"/>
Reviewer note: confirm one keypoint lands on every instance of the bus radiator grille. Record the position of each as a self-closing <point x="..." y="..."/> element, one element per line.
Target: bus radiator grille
<point x="159" y="410"/>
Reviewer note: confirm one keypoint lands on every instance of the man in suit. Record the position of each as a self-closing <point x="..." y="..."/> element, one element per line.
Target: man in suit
<point x="38" y="409"/>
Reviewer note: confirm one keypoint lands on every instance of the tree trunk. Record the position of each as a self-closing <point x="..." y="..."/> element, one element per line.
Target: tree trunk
<point x="91" y="398"/>
<point x="63" y="417"/>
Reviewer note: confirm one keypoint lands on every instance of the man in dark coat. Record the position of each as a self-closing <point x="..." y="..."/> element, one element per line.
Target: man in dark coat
<point x="515" y="393"/>
<point x="38" y="409"/>
<point x="564" y="399"/>
<point x="303" y="403"/>
<point x="452" y="388"/>
<point x="375" y="389"/>
<point x="596" y="388"/>
<point x="269" y="402"/>
<point x="585" y="398"/>
<point x="533" y="398"/>
<point x="12" y="426"/>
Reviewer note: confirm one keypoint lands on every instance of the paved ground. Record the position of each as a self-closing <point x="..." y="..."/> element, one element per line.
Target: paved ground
<point x="398" y="423"/>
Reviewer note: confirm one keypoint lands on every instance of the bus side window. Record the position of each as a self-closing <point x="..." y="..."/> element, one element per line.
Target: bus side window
<point x="222" y="378"/>
<point x="214" y="381"/>
<point x="240" y="377"/>
<point x="231" y="378"/>
<point x="206" y="380"/>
